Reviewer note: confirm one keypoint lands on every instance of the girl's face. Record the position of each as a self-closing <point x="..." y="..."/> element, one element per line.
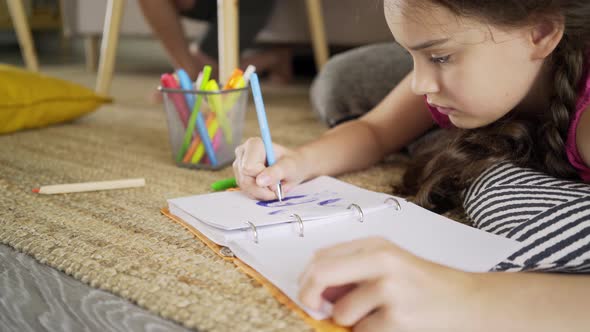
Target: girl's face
<point x="474" y="72"/>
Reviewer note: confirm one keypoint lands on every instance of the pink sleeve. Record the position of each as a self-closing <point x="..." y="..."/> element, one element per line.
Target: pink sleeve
<point x="573" y="154"/>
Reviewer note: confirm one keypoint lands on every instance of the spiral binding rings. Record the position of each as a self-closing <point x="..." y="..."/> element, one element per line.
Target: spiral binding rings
<point x="300" y="222"/>
<point x="360" y="211"/>
<point x="396" y="205"/>
<point x="394" y="202"/>
<point x="254" y="231"/>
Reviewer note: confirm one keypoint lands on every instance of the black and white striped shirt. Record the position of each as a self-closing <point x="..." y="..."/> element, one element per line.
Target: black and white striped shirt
<point x="550" y="216"/>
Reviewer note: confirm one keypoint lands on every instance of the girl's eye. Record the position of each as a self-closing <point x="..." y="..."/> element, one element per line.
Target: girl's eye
<point x="440" y="59"/>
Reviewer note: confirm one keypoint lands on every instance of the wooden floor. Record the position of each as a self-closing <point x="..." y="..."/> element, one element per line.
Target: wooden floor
<point x="36" y="297"/>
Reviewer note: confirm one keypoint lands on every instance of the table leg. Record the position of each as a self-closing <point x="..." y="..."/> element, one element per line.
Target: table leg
<point x="318" y="33"/>
<point x="108" y="48"/>
<point x="23" y="32"/>
<point x="227" y="14"/>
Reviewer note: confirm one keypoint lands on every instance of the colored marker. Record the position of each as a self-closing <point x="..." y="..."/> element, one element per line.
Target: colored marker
<point x="231" y="98"/>
<point x="199" y="81"/>
<point x="237" y="73"/>
<point x="186" y="84"/>
<point x="263" y="124"/>
<point x="216" y="104"/>
<point x="224" y="184"/>
<point x="200" y="152"/>
<point x="197" y="118"/>
<point x="196" y="142"/>
<point x="248" y="73"/>
<point x="217" y="141"/>
<point x="238" y="83"/>
<point x="169" y="82"/>
<point x="217" y="144"/>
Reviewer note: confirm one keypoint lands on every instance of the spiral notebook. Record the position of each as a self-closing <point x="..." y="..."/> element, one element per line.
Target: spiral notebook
<point x="277" y="239"/>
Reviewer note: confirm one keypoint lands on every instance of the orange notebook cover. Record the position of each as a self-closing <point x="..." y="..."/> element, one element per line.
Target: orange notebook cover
<point x="319" y="325"/>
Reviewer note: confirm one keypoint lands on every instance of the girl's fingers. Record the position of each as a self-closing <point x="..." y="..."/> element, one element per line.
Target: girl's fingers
<point x="279" y="150"/>
<point x="255" y="178"/>
<point x="249" y="187"/>
<point x="333" y="294"/>
<point x="254" y="157"/>
<point x="361" y="301"/>
<point x="341" y="270"/>
<point x="270" y="176"/>
<point x="236" y="164"/>
<point x="379" y="320"/>
<point x="344" y="248"/>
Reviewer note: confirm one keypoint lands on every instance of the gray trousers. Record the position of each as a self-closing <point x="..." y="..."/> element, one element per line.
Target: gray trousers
<point x="354" y="82"/>
<point x="254" y="15"/>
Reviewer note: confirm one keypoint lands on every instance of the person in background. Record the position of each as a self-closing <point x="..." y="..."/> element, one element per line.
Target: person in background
<point x="164" y="17"/>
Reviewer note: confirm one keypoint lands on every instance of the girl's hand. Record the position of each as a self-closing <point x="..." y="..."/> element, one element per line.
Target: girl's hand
<point x="376" y="286"/>
<point x="259" y="181"/>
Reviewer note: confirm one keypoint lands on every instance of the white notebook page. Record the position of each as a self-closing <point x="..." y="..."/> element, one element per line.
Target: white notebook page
<point x="430" y="236"/>
<point x="321" y="197"/>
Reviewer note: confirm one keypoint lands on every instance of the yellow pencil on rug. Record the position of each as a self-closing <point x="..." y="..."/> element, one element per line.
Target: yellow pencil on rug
<point x="90" y="186"/>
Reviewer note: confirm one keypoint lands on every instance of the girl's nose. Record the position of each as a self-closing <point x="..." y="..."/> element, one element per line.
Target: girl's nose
<point x="424" y="81"/>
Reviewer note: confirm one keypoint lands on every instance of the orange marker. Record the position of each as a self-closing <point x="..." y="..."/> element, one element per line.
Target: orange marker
<point x="233" y="79"/>
<point x="191" y="150"/>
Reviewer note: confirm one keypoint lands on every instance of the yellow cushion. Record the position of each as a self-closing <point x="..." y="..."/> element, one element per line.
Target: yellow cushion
<point x="32" y="100"/>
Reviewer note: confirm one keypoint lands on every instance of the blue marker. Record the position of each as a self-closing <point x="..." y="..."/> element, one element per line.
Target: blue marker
<point x="263" y="124"/>
<point x="196" y="116"/>
<point x="186" y="84"/>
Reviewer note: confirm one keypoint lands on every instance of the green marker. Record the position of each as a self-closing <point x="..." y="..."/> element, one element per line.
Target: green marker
<point x="224" y="184"/>
<point x="195" y="117"/>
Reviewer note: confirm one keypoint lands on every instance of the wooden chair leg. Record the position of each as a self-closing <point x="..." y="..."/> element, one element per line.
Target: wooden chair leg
<point x="108" y="48"/>
<point x="65" y="40"/>
<point x="227" y="17"/>
<point x="23" y="32"/>
<point x="91" y="52"/>
<point x="66" y="20"/>
<point x="318" y="33"/>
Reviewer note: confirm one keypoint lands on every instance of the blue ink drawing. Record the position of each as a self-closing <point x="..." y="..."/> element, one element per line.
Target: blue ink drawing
<point x="324" y="198"/>
<point x="329" y="202"/>
<point x="287" y="201"/>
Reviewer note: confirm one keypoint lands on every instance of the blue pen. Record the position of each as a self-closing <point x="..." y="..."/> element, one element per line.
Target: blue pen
<point x="196" y="116"/>
<point x="263" y="124"/>
<point x="186" y="84"/>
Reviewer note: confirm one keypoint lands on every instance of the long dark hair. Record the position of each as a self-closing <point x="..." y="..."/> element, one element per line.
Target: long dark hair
<point x="440" y="173"/>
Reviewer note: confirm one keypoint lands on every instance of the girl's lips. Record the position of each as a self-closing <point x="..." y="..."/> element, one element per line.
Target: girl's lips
<point x="444" y="110"/>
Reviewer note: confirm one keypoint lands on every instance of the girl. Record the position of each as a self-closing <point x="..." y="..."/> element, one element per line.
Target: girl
<point x="509" y="80"/>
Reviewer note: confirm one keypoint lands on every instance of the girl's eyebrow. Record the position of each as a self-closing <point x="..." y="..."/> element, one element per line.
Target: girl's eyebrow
<point x="429" y="43"/>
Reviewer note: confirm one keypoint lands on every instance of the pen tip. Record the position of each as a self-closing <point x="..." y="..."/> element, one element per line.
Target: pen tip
<point x="36" y="190"/>
<point x="280" y="192"/>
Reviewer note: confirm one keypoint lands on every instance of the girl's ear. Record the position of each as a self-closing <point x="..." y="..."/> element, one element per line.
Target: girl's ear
<point x="545" y="35"/>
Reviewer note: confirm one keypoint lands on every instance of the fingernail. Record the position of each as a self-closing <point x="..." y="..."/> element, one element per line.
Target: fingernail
<point x="263" y="180"/>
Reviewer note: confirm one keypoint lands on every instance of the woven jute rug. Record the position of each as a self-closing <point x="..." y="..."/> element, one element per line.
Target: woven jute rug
<point x="118" y="240"/>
